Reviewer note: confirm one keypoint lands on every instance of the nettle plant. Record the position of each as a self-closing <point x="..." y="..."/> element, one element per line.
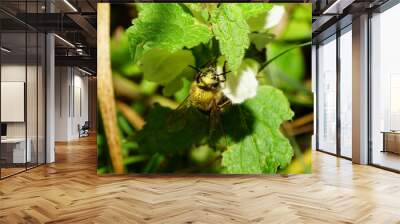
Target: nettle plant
<point x="169" y="42"/>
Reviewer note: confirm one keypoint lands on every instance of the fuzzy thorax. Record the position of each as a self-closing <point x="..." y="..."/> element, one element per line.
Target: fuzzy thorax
<point x="204" y="99"/>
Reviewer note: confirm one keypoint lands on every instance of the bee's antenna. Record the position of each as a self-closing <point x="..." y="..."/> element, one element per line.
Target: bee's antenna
<point x="194" y="68"/>
<point x="224" y="69"/>
<point x="224" y="73"/>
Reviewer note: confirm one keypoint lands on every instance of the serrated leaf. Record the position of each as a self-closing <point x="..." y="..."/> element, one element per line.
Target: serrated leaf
<point x="201" y="11"/>
<point x="166" y="26"/>
<point x="231" y="30"/>
<point x="254" y="9"/>
<point x="162" y="67"/>
<point x="265" y="149"/>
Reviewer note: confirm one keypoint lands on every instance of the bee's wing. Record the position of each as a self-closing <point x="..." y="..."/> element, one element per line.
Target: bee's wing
<point x="176" y="120"/>
<point x="216" y="133"/>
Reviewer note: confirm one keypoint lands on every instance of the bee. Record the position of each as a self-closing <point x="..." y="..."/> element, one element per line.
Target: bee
<point x="206" y="95"/>
<point x="206" y="91"/>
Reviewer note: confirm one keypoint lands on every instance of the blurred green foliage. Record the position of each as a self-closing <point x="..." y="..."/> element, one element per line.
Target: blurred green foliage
<point x="150" y="62"/>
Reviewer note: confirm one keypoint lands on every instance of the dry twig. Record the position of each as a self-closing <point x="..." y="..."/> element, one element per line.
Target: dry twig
<point x="105" y="87"/>
<point x="134" y="118"/>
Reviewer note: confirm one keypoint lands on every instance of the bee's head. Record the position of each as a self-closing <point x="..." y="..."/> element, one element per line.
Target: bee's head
<point x="208" y="78"/>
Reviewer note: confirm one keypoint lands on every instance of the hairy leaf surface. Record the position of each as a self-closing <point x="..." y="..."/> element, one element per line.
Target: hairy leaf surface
<point x="254" y="9"/>
<point x="231" y="30"/>
<point x="165" y="26"/>
<point x="265" y="149"/>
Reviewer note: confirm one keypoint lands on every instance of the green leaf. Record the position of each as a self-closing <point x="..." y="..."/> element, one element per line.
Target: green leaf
<point x="181" y="95"/>
<point x="167" y="26"/>
<point x="119" y="47"/>
<point x="292" y="63"/>
<point x="204" y="54"/>
<point x="161" y="66"/>
<point x="148" y="87"/>
<point x="163" y="135"/>
<point x="260" y="40"/>
<point x="130" y="69"/>
<point x="201" y="11"/>
<point x="139" y="107"/>
<point x="300" y="24"/>
<point x="203" y="154"/>
<point x="298" y="30"/>
<point x="125" y="126"/>
<point x="154" y="163"/>
<point x="265" y="149"/>
<point x="173" y="87"/>
<point x="258" y="23"/>
<point x="231" y="30"/>
<point x="177" y="85"/>
<point x="303" y="12"/>
<point x="130" y="145"/>
<point x="134" y="159"/>
<point x="254" y="9"/>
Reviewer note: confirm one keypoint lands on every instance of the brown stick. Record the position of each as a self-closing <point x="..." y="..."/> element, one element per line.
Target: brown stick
<point x="134" y="118"/>
<point x="126" y="88"/>
<point x="163" y="101"/>
<point x="105" y="87"/>
<point x="301" y="121"/>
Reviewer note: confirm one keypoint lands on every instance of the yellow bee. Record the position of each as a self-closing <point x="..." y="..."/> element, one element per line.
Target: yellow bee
<point x="205" y="92"/>
<point x="205" y="95"/>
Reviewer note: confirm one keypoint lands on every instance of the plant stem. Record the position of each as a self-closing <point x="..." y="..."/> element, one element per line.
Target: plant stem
<point x="105" y="88"/>
<point x="282" y="53"/>
<point x="125" y="87"/>
<point x="134" y="118"/>
<point x="163" y="101"/>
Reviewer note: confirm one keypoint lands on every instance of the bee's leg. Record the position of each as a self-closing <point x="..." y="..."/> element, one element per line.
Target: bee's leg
<point x="224" y="103"/>
<point x="213" y="119"/>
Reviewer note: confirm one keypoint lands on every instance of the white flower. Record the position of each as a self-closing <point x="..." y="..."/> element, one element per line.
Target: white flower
<point x="274" y="16"/>
<point x="242" y="86"/>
